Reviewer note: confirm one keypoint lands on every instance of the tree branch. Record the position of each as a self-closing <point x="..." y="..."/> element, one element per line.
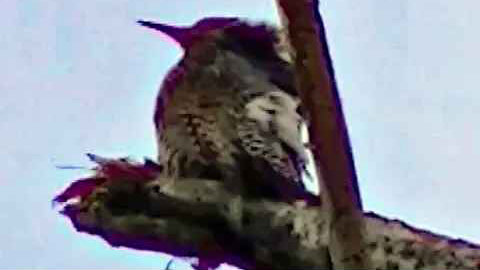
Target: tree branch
<point x="327" y="130"/>
<point x="203" y="220"/>
<point x="200" y="218"/>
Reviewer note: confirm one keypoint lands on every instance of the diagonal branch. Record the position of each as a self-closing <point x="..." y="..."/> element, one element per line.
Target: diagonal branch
<point x="327" y="129"/>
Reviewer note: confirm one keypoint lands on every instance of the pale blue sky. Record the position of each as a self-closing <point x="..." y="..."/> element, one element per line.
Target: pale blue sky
<point x="81" y="76"/>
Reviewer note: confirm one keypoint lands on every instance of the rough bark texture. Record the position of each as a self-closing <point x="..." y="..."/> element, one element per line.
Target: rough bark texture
<point x="327" y="131"/>
<point x="195" y="217"/>
<point x="130" y="205"/>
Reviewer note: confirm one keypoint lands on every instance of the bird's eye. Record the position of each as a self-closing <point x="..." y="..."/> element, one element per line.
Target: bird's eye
<point x="269" y="111"/>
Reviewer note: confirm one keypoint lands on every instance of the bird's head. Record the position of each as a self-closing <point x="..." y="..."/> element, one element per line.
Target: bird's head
<point x="230" y="33"/>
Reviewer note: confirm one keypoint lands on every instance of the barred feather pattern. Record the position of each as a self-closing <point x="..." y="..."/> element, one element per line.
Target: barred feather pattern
<point x="215" y="108"/>
<point x="195" y="133"/>
<point x="268" y="148"/>
<point x="199" y="136"/>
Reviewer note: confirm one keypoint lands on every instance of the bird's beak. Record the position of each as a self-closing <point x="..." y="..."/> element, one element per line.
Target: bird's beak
<point x="180" y="35"/>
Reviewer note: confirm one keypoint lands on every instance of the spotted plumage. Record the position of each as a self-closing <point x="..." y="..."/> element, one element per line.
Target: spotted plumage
<point x="228" y="110"/>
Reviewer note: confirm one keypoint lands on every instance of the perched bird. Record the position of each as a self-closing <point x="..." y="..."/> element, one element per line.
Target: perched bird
<point x="229" y="109"/>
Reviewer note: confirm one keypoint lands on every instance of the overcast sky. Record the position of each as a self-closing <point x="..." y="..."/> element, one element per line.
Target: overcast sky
<point x="81" y="76"/>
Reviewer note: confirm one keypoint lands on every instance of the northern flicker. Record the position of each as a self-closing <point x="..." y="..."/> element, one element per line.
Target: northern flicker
<point x="229" y="109"/>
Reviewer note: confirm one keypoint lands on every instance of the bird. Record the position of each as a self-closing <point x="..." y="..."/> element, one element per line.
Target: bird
<point x="229" y="109"/>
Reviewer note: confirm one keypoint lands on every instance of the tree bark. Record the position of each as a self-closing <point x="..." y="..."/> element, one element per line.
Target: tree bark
<point x="327" y="131"/>
<point x="129" y="205"/>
